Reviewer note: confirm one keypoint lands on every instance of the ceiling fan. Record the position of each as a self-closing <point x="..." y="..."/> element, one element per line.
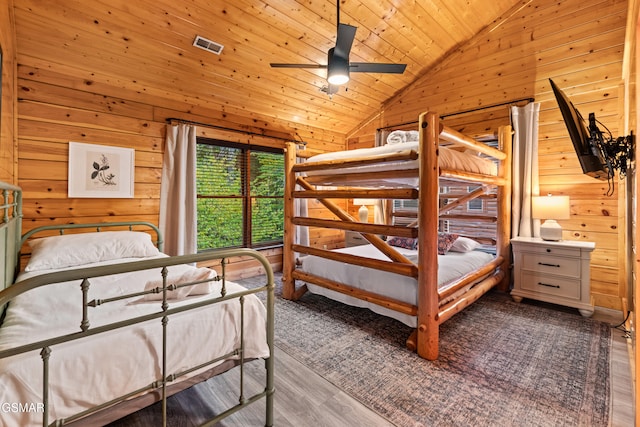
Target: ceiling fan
<point x="338" y="65"/>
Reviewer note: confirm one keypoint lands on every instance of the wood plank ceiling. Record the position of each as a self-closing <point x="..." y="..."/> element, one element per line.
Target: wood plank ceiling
<point x="146" y="46"/>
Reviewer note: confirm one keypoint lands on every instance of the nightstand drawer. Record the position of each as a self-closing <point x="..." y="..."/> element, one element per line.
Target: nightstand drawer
<point x="569" y="267"/>
<point x="552" y="250"/>
<point x="351" y="238"/>
<point x="550" y="285"/>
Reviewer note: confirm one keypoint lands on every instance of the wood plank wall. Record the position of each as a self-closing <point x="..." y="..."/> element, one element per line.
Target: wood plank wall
<point x="632" y="112"/>
<point x="578" y="43"/>
<point x="8" y="95"/>
<point x="55" y="108"/>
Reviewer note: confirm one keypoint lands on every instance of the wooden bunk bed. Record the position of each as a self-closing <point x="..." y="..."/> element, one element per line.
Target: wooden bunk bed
<point x="412" y="173"/>
<point x="100" y="323"/>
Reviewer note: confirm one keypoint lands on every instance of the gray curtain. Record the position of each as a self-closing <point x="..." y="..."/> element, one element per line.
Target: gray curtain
<point x="525" y="169"/>
<point x="178" y="211"/>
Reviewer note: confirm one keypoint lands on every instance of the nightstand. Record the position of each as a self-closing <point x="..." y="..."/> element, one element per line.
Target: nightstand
<point x="352" y="238"/>
<point x="555" y="272"/>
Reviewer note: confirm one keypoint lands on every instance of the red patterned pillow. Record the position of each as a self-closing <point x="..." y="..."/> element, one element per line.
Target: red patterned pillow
<point x="403" y="242"/>
<point x="445" y="241"/>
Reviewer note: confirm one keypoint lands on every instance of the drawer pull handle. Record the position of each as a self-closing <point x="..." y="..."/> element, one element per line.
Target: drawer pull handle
<point x="548" y="285"/>
<point x="549" y="265"/>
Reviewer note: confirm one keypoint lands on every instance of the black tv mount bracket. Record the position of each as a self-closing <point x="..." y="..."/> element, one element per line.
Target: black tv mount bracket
<point x="618" y="153"/>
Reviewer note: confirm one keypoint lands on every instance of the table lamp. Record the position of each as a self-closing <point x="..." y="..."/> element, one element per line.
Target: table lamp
<point x="550" y="208"/>
<point x="363" y="212"/>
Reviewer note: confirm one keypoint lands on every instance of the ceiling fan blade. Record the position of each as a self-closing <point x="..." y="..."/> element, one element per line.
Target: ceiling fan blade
<point x="368" y="67"/>
<point x="276" y="65"/>
<point x="344" y="40"/>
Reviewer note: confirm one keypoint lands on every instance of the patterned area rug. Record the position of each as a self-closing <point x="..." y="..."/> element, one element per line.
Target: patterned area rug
<point x="501" y="363"/>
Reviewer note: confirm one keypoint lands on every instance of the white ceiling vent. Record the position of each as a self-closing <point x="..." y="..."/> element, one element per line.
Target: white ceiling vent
<point x="209" y="45"/>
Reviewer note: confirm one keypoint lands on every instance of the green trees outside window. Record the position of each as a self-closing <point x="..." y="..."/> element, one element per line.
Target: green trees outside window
<point x="240" y="195"/>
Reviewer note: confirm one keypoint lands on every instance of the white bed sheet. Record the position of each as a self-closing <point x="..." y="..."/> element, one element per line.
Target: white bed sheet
<point x="450" y="267"/>
<point x="447" y="159"/>
<point x="97" y="369"/>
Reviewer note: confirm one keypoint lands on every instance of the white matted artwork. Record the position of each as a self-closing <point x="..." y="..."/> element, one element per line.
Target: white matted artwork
<point x="100" y="171"/>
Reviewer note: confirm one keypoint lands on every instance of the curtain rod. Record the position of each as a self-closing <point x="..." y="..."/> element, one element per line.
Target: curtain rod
<point x="173" y="119"/>
<point x="460" y="112"/>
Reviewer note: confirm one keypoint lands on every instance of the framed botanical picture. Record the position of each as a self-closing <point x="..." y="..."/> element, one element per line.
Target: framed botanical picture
<point x="100" y="171"/>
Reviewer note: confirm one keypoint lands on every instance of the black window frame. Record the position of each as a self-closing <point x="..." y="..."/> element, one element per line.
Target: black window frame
<point x="246" y="196"/>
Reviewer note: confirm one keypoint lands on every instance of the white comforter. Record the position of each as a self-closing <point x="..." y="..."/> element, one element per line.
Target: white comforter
<point x="447" y="159"/>
<point x="450" y="267"/>
<point x="96" y="369"/>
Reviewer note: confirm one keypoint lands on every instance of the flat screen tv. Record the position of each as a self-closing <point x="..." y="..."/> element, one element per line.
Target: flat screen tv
<point x="585" y="141"/>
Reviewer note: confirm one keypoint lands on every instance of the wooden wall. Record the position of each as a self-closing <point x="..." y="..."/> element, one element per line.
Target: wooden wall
<point x="632" y="115"/>
<point x="578" y="43"/>
<point x="8" y="95"/>
<point x="55" y="108"/>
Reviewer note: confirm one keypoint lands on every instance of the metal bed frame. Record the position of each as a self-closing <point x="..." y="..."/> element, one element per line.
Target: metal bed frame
<point x="10" y="229"/>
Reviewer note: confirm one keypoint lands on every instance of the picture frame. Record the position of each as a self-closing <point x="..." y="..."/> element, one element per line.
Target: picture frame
<point x="100" y="171"/>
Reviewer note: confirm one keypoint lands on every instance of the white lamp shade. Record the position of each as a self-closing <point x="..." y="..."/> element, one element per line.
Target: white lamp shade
<point x="551" y="207"/>
<point x="364" y="202"/>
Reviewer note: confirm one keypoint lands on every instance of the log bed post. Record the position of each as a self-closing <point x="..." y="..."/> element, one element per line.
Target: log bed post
<point x="288" y="261"/>
<point x="504" y="205"/>
<point x="427" y="331"/>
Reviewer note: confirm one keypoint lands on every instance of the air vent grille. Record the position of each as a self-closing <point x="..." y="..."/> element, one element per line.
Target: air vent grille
<point x="209" y="45"/>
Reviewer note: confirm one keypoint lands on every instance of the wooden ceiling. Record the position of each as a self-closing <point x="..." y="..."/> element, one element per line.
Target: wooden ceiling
<point x="146" y="46"/>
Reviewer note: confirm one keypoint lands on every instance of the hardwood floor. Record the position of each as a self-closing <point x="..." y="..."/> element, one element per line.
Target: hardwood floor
<point x="303" y="398"/>
<point x="622" y="412"/>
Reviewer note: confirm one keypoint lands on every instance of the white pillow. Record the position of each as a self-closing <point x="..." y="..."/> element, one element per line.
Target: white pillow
<point x="464" y="244"/>
<point x="69" y="250"/>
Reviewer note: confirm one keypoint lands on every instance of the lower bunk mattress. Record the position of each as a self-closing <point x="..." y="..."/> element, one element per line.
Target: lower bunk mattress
<point x="99" y="368"/>
<point x="451" y="266"/>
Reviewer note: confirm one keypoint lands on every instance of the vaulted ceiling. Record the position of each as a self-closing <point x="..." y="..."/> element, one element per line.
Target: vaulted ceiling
<point x="146" y="46"/>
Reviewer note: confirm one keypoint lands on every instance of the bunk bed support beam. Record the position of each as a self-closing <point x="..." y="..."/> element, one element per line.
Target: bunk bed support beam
<point x="453" y="136"/>
<point x="409" y="270"/>
<point x="380" y="300"/>
<point x="344" y="216"/>
<point x="288" y="260"/>
<point x="388" y="230"/>
<point x="428" y="331"/>
<point x="503" y="237"/>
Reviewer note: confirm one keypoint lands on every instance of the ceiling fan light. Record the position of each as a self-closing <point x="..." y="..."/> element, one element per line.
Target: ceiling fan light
<point x="337" y="69"/>
<point x="337" y="77"/>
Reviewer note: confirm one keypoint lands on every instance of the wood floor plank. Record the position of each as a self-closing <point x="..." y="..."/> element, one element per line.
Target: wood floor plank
<point x="303" y="398"/>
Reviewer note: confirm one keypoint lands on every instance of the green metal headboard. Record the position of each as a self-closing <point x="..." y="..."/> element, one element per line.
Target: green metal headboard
<point x="10" y="229"/>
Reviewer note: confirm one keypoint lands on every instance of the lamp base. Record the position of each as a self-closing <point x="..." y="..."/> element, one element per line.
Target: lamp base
<point x="551" y="230"/>
<point x="363" y="214"/>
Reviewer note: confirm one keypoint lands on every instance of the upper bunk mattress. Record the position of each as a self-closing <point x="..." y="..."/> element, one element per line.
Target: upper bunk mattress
<point x="448" y="158"/>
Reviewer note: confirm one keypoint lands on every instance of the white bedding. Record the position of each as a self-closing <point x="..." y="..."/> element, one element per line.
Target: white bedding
<point x="450" y="267"/>
<point x="96" y="369"/>
<point x="447" y="158"/>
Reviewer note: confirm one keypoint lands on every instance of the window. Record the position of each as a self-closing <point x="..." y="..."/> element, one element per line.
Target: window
<point x="240" y="193"/>
<point x="475" y="205"/>
<point x="404" y="211"/>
